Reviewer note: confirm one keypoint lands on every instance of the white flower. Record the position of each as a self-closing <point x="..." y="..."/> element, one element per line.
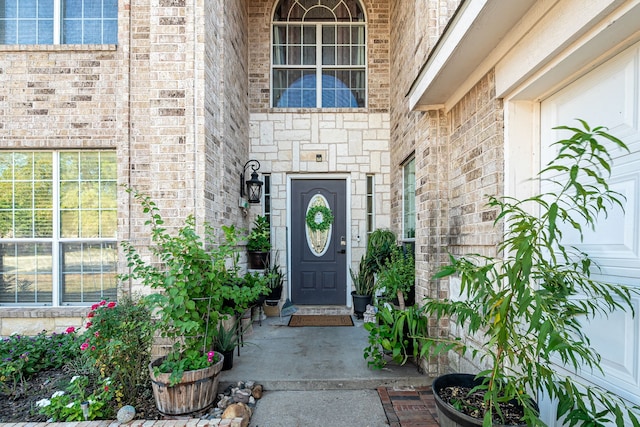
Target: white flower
<point x="107" y="381"/>
<point x="57" y="394"/>
<point x="42" y="403"/>
<point x="70" y="404"/>
<point x="75" y="377"/>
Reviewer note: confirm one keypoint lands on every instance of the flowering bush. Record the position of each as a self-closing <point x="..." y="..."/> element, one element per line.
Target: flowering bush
<point x="22" y="356"/>
<point x="68" y="405"/>
<point x="118" y="341"/>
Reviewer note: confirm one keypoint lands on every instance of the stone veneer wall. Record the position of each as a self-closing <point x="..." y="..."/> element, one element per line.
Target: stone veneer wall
<point x="353" y="143"/>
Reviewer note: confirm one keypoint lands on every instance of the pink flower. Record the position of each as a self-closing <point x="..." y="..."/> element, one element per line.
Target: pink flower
<point x="91" y="314"/>
<point x="93" y="347"/>
<point x="94" y="306"/>
<point x="88" y="325"/>
<point x="103" y="302"/>
<point x="97" y="334"/>
<point x="111" y="304"/>
<point x="70" y="330"/>
<point x="84" y="346"/>
<point x="106" y="388"/>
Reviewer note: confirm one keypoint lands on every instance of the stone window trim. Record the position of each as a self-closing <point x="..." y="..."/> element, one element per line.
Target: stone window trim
<point x="43" y="312"/>
<point x="57" y="47"/>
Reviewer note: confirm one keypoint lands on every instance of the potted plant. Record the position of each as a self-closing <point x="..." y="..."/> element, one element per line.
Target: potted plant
<point x="528" y="305"/>
<point x="395" y="335"/>
<point x="397" y="276"/>
<point x="259" y="243"/>
<point x="379" y="246"/>
<point x="226" y="340"/>
<point x="187" y="273"/>
<point x="363" y="287"/>
<point x="275" y="281"/>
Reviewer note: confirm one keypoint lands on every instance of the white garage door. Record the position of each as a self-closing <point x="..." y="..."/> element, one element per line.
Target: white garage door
<point x="609" y="96"/>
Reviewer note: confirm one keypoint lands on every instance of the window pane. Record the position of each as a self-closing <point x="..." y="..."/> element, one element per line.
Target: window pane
<point x="110" y="32"/>
<point x="294" y="55"/>
<point x="92" y="9"/>
<point x="45" y="31"/>
<point x="69" y="192"/>
<point x="88" y="272"/>
<point x="9" y="9"/>
<point x="89" y="224"/>
<point x="27" y="9"/>
<point x="328" y="55"/>
<point x="72" y="32"/>
<point x="110" y="9"/>
<point x="92" y="32"/>
<point x="409" y="201"/>
<point x="69" y="224"/>
<point x="8" y="32"/>
<point x="108" y="223"/>
<point x="72" y="9"/>
<point x="45" y="9"/>
<point x="25" y="273"/>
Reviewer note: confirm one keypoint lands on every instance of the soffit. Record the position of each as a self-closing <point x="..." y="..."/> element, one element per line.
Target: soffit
<point x="475" y="30"/>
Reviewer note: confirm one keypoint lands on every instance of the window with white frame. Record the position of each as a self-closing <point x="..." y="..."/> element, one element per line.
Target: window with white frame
<point x="371" y="223"/>
<point x="58" y="220"/>
<point x="58" y="22"/>
<point x="409" y="200"/>
<point x="319" y="54"/>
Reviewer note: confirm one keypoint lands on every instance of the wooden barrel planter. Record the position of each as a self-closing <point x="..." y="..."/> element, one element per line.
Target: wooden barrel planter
<point x="197" y="390"/>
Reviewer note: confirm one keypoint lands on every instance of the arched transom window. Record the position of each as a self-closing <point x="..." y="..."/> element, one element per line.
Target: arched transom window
<point x="319" y="44"/>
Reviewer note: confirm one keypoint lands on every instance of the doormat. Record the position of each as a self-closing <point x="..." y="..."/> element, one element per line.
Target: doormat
<point x="320" y="320"/>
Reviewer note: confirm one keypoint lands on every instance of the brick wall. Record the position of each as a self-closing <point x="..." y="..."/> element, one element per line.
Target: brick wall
<point x="458" y="157"/>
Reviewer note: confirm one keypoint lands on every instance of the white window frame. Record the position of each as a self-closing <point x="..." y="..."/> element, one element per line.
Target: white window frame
<point x="318" y="66"/>
<point x="57" y="24"/>
<point x="405" y="164"/>
<point x="56" y="240"/>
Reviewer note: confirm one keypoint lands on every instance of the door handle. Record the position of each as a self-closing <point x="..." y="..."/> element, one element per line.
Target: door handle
<point x="343" y="245"/>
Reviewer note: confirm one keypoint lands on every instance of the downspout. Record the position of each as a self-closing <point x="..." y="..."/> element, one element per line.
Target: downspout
<point x="196" y="170"/>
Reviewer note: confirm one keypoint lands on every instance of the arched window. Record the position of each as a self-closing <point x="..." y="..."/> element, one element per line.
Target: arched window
<point x="319" y="44"/>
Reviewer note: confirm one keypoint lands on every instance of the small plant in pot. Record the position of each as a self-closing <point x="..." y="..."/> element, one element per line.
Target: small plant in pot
<point x="528" y="305"/>
<point x="226" y="341"/>
<point x="363" y="287"/>
<point x="397" y="276"/>
<point x="275" y="281"/>
<point x="187" y="272"/>
<point x="259" y="243"/>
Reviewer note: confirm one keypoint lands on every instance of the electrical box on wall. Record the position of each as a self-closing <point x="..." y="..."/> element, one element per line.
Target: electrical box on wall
<point x="243" y="203"/>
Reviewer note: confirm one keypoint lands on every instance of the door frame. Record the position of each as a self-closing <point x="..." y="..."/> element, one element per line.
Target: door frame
<point x="315" y="176"/>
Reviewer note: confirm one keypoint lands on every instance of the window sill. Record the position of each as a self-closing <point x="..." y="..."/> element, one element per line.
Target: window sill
<point x="57" y="47"/>
<point x="318" y="110"/>
<point x="42" y="312"/>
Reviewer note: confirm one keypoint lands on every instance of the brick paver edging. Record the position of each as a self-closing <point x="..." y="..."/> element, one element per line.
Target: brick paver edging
<point x="409" y="406"/>
<point x="193" y="422"/>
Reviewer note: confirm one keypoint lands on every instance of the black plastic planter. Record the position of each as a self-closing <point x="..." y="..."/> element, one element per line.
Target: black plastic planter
<point x="448" y="416"/>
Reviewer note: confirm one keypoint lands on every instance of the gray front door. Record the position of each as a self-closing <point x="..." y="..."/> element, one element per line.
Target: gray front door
<point x="318" y="258"/>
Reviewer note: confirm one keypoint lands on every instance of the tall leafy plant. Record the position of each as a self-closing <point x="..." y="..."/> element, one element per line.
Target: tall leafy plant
<point x="189" y="272"/>
<point x="531" y="303"/>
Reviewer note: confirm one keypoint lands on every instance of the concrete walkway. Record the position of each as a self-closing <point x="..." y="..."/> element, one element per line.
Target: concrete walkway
<point x="315" y="376"/>
<point x="312" y="377"/>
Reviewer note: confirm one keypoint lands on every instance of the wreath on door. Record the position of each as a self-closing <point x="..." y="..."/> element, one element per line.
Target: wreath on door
<point x="319" y="218"/>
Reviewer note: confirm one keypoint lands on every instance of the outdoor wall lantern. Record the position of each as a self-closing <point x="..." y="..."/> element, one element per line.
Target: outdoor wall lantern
<point x="254" y="185"/>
